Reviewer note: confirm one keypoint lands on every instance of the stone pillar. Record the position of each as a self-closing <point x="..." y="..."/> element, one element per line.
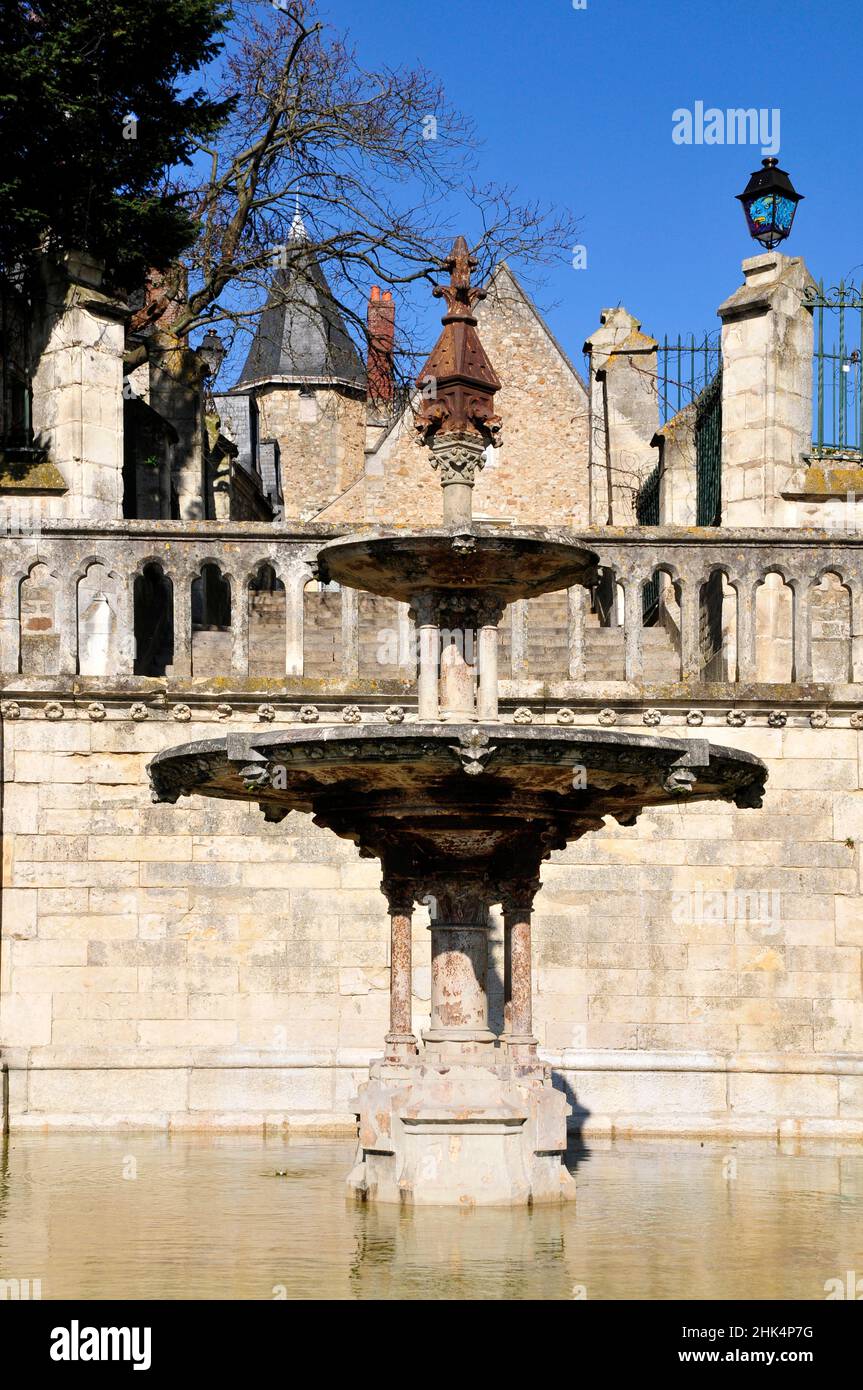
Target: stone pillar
<point x="350" y="635"/>
<point x="428" y="634"/>
<point x="459" y="1005"/>
<point x="632" y="629"/>
<point x="66" y="618"/>
<point x="10" y="625"/>
<point x="577" y="598"/>
<point x="690" y="628"/>
<point x="400" y="1040"/>
<point x="295" y="585"/>
<point x="182" y="588"/>
<point x="519" y="639"/>
<point x="623" y="392"/>
<point x="745" y="631"/>
<point x="487" y="709"/>
<point x="766" y="391"/>
<point x="459" y="458"/>
<point x="517" y="897"/>
<point x="78" y="344"/>
<point x="856" y="630"/>
<point x="407" y="643"/>
<point x="802" y="671"/>
<point x="125" y="643"/>
<point x="239" y="627"/>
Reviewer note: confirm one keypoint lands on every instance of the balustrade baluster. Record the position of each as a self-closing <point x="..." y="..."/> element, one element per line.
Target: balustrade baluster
<point x="632" y="628"/>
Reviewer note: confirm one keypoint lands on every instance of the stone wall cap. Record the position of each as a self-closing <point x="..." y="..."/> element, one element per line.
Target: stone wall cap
<point x="766" y="277"/>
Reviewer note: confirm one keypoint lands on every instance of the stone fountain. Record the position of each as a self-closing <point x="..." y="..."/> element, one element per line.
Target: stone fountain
<point x="461" y="810"/>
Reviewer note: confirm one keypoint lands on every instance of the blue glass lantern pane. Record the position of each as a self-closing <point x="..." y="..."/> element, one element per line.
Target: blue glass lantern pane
<point x="785" y="213"/>
<point x="761" y="211"/>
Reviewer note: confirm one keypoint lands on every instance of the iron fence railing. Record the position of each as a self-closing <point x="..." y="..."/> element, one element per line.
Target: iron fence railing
<point x="837" y="398"/>
<point x="684" y="367"/>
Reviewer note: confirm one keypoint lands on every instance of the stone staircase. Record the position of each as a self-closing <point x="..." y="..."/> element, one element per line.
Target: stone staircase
<point x="604" y="655"/>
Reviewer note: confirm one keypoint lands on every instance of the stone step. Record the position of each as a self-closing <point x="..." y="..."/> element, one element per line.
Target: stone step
<point x="604" y="654"/>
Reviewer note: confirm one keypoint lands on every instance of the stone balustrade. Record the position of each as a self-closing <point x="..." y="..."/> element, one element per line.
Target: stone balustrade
<point x="738" y="607"/>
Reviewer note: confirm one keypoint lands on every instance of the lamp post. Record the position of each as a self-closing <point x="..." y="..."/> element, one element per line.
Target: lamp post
<point x="769" y="204"/>
<point x="212" y="352"/>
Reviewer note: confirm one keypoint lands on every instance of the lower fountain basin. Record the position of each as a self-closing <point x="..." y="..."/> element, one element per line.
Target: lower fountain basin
<point x="481" y="797"/>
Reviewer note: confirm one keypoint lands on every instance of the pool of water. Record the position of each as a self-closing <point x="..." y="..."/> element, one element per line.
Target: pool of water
<point x="223" y="1217"/>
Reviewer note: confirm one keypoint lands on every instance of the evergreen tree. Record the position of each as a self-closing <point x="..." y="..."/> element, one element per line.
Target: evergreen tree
<point x="95" y="108"/>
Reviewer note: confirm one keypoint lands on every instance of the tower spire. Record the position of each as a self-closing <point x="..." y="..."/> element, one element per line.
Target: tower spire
<point x="298" y="234"/>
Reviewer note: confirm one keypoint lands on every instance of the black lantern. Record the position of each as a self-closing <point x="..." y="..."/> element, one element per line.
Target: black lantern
<point x="769" y="202"/>
<point x="211" y="351"/>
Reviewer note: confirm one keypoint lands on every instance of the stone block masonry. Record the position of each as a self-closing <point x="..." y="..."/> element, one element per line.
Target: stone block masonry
<point x="194" y="967"/>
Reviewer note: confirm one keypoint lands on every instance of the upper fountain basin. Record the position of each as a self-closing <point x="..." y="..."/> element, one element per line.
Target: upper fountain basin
<point x="467" y="556"/>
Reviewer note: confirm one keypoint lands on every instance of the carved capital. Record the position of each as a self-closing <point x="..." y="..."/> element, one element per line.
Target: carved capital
<point x="449" y="905"/>
<point x="489" y="611"/>
<point x="400" y="894"/>
<point x="458" y="458"/>
<point x="423" y="611"/>
<point x="516" y="896"/>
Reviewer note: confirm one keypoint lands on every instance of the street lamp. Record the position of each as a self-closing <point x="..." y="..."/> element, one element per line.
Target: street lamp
<point x="769" y="203"/>
<point x="211" y="351"/>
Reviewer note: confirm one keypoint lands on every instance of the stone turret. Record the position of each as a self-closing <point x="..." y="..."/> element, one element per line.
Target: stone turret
<point x="303" y="384"/>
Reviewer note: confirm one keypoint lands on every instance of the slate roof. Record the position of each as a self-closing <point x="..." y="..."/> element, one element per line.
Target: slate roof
<point x="301" y="332"/>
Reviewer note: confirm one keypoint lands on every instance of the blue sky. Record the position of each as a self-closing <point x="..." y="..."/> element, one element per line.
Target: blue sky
<point x="575" y="106"/>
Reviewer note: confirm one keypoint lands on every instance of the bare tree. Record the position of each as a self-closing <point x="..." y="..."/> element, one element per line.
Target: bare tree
<point x="379" y="163"/>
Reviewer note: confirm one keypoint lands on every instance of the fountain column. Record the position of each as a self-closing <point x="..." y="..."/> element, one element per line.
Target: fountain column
<point x="427" y="627"/>
<point x="488" y="618"/>
<point x="400" y="1040"/>
<point x="459" y="456"/>
<point x="516" y="898"/>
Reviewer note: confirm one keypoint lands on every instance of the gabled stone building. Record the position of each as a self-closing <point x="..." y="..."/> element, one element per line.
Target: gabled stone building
<point x="698" y="970"/>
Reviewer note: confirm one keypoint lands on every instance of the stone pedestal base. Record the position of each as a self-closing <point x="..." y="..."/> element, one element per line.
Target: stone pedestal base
<point x="475" y="1134"/>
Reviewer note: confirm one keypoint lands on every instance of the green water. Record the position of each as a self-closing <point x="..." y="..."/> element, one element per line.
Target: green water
<point x="221" y="1217"/>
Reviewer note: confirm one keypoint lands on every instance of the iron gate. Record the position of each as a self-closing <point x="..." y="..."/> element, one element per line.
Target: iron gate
<point x="836" y="388"/>
<point x="708" y="454"/>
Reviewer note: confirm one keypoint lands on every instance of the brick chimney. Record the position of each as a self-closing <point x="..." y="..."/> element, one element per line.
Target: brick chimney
<point x="382" y="327"/>
<point x="164" y="300"/>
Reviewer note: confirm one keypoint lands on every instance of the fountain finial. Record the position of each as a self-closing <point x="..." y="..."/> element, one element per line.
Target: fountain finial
<point x="457" y="419"/>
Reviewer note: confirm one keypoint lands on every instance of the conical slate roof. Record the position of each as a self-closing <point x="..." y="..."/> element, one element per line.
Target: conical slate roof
<point x="301" y="332"/>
